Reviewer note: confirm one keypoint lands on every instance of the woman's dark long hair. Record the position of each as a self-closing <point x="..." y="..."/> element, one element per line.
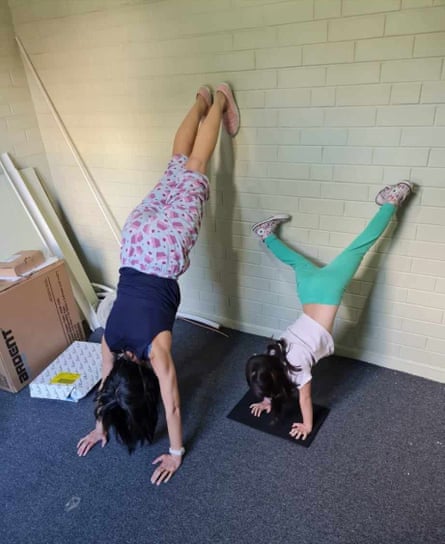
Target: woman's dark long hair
<point x="267" y="376"/>
<point x="128" y="402"/>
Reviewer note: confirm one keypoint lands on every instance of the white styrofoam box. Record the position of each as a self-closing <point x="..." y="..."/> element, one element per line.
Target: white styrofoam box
<point x="80" y="358"/>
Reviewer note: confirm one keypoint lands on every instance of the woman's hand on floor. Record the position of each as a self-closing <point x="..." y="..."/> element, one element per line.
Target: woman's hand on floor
<point x="300" y="430"/>
<point x="91" y="439"/>
<point x="257" y="408"/>
<point x="169" y="465"/>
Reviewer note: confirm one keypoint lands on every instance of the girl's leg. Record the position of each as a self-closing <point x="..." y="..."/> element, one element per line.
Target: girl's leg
<point x="207" y="136"/>
<point x="306" y="273"/>
<point x="339" y="272"/>
<point x="186" y="133"/>
<point x="265" y="230"/>
<point x="288" y="256"/>
<point x="321" y="293"/>
<point x="325" y="285"/>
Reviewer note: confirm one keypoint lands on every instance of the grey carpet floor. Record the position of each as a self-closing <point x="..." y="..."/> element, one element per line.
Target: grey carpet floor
<point x="374" y="473"/>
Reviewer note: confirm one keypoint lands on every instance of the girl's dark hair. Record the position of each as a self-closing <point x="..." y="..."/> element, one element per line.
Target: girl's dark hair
<point x="267" y="376"/>
<point x="128" y="402"/>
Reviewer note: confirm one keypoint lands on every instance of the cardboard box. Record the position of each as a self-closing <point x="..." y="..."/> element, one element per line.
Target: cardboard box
<point x="39" y="318"/>
<point x="21" y="262"/>
<point x="72" y="375"/>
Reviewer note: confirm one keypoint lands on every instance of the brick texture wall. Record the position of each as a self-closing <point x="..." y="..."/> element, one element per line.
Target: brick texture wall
<point x="19" y="136"/>
<point x="337" y="98"/>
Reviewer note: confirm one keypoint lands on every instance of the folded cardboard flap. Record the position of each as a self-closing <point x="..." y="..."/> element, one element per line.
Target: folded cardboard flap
<point x="71" y="375"/>
<point x="21" y="262"/>
<point x="6" y="282"/>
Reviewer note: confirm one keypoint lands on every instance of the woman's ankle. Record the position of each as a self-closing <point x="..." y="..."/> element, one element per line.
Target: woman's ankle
<point x="202" y="105"/>
<point x="221" y="101"/>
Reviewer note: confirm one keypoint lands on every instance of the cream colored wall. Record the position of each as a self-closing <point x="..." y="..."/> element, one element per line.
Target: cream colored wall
<point x="20" y="137"/>
<point x="337" y="98"/>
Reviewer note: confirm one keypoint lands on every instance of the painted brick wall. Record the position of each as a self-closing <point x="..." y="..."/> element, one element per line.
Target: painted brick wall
<point x="337" y="98"/>
<point x="19" y="134"/>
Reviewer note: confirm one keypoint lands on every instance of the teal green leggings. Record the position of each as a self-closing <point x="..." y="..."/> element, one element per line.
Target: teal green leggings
<point x="326" y="285"/>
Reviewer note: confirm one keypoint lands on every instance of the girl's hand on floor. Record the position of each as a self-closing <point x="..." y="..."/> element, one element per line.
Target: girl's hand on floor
<point x="90" y="440"/>
<point x="300" y="430"/>
<point x="169" y="465"/>
<point x="258" y="408"/>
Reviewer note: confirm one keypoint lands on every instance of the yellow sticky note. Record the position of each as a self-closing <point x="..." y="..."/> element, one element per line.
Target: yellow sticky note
<point x="65" y="378"/>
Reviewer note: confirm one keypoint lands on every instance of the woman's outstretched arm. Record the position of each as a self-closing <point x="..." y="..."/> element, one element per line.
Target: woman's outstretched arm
<point x="164" y="368"/>
<point x="98" y="434"/>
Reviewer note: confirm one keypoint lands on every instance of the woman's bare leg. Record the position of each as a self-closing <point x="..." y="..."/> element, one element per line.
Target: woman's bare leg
<point x="207" y="136"/>
<point x="186" y="133"/>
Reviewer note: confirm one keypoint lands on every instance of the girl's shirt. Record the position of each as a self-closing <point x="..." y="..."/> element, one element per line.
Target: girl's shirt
<point x="307" y="342"/>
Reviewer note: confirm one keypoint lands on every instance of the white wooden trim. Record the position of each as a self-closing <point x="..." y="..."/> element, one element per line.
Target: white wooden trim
<point x="50" y="242"/>
<point x="82" y="287"/>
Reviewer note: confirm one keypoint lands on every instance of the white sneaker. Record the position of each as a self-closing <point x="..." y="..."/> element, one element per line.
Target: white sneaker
<point x="394" y="194"/>
<point x="265" y="228"/>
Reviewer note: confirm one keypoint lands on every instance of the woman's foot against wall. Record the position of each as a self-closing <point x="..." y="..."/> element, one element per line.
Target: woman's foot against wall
<point x="204" y="94"/>
<point x="231" y="117"/>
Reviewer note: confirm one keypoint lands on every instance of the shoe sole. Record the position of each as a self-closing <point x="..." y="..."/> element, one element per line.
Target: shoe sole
<point x="403" y="182"/>
<point x="409" y="183"/>
<point x="282" y="216"/>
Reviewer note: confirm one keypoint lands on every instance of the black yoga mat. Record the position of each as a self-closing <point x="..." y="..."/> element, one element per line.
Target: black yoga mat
<point x="268" y="424"/>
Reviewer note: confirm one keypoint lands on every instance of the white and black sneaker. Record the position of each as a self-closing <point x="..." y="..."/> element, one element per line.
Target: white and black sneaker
<point x="394" y="194"/>
<point x="265" y="228"/>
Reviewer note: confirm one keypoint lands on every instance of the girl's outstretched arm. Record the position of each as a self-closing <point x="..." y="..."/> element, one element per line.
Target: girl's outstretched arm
<point x="301" y="430"/>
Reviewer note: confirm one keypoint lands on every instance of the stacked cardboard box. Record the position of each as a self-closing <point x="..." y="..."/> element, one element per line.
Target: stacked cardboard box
<point x="39" y="318"/>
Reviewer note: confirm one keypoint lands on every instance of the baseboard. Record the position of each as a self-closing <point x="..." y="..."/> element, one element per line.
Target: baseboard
<point x="379" y="359"/>
<point x="393" y="363"/>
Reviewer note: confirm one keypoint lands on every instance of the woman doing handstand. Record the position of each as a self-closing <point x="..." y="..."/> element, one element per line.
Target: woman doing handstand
<point x="286" y="366"/>
<point x="158" y="235"/>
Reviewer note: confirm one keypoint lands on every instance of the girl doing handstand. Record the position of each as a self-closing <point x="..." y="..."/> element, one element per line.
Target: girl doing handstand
<point x="286" y="366"/>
